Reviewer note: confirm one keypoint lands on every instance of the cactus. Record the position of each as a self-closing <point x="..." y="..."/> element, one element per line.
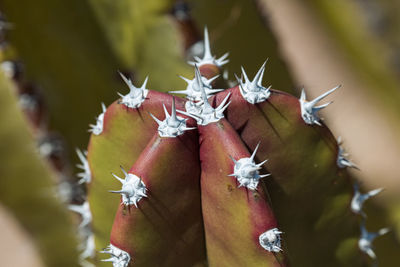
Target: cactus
<point x="250" y="162"/>
<point x="200" y="190"/>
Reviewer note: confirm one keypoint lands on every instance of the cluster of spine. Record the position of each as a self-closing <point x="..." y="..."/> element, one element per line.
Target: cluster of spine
<point x="357" y="203"/>
<point x="87" y="247"/>
<point x="194" y="196"/>
<point x="366" y="238"/>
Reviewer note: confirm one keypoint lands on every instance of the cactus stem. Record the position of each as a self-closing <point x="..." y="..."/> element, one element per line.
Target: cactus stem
<point x="358" y="199"/>
<point x="133" y="189"/>
<point x="252" y="91"/>
<point x="271" y="240"/>
<point x="136" y="95"/>
<point x="366" y="239"/>
<point x="309" y="109"/>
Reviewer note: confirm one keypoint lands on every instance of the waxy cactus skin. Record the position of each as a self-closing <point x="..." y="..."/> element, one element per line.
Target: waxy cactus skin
<point x="234" y="217"/>
<point x="166" y="228"/>
<point x="126" y="133"/>
<point x="305" y="182"/>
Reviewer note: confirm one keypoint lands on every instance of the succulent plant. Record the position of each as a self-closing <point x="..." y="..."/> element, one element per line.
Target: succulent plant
<point x="248" y="176"/>
<point x="270" y="188"/>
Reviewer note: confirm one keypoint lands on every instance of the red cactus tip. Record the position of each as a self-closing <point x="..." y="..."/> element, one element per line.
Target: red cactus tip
<point x="136" y="95"/>
<point x="133" y="188"/>
<point x="271" y="240"/>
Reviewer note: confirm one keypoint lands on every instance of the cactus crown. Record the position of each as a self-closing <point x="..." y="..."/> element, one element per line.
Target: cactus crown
<point x="192" y="182"/>
<point x="203" y="112"/>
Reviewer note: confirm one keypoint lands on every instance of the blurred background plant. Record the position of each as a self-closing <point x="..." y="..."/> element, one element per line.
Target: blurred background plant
<point x="60" y="61"/>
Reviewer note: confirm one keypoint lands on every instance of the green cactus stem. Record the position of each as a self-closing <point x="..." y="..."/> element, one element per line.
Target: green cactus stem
<point x="163" y="227"/>
<point x="126" y="132"/>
